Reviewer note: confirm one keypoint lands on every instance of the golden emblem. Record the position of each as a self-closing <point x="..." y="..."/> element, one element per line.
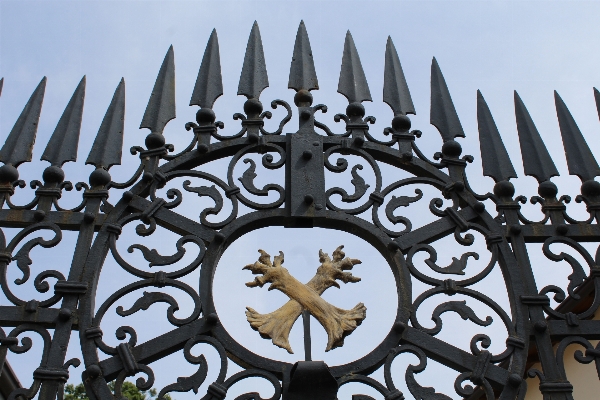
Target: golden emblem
<point x="338" y="323"/>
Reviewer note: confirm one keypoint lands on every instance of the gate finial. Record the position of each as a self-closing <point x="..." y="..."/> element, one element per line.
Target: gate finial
<point x="395" y="89"/>
<point x="209" y="84"/>
<point x="161" y="106"/>
<point x="580" y="160"/>
<point x="254" y="78"/>
<point x="353" y="83"/>
<point x="597" y="98"/>
<point x="536" y="160"/>
<point x="302" y="70"/>
<point x="18" y="147"/>
<point x="494" y="158"/>
<point x="443" y="114"/>
<point x="108" y="145"/>
<point x="62" y="146"/>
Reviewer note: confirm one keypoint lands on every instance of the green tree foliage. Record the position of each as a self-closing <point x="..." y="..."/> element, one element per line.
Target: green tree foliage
<point x="129" y="391"/>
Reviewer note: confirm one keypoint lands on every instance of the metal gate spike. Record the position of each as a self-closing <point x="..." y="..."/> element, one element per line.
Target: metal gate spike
<point x="209" y="84"/>
<point x="494" y="158"/>
<point x="253" y="79"/>
<point x="395" y="90"/>
<point x="536" y="160"/>
<point x="353" y="83"/>
<point x="443" y="114"/>
<point x="597" y="98"/>
<point x="161" y="105"/>
<point x="18" y="147"/>
<point x="302" y="69"/>
<point x="580" y="160"/>
<point x="108" y="145"/>
<point x="63" y="144"/>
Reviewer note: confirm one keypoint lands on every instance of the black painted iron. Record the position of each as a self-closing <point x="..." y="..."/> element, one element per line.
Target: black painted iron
<point x="304" y="200"/>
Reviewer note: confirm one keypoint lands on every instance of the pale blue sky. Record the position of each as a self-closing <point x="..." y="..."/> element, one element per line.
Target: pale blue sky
<point x="533" y="47"/>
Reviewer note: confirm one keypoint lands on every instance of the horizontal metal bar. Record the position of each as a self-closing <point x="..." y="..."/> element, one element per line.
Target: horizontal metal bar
<point x="67" y="220"/>
<point x="538" y="233"/>
<point x="45" y="317"/>
<point x="587" y="329"/>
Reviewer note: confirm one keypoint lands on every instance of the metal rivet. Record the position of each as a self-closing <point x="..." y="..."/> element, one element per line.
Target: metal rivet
<point x="219" y="237"/>
<point x="64" y="314"/>
<point x="540" y="326"/>
<point x="359" y="141"/>
<point x="407" y="156"/>
<point x="514" y="380"/>
<point x="89" y="217"/>
<point x="393" y="246"/>
<point x="318" y="206"/>
<point x="515" y="229"/>
<point x="307" y="154"/>
<point x="202" y="148"/>
<point x="127" y="195"/>
<point x="147" y="177"/>
<point x="316" y="144"/>
<point x="39" y="215"/>
<point x="253" y="137"/>
<point x="399" y="327"/>
<point x="308" y="199"/>
<point x="562" y="229"/>
<point x="212" y="318"/>
<point x="459" y="186"/>
<point x="305" y="115"/>
<point x="93" y="371"/>
<point x="479" y="207"/>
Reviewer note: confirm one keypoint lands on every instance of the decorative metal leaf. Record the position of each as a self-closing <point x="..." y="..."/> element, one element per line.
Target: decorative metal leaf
<point x="209" y="84"/>
<point x="209" y="191"/>
<point x="18" y="147"/>
<point x="253" y="79"/>
<point x="161" y="106"/>
<point x="302" y="70"/>
<point x="580" y="160"/>
<point x="147" y="299"/>
<point x="360" y="187"/>
<point x="108" y="145"/>
<point x="395" y="89"/>
<point x="421" y="392"/>
<point x="154" y="258"/>
<point x="494" y="158"/>
<point x="185" y="384"/>
<point x="443" y="114"/>
<point x="459" y="307"/>
<point x="456" y="267"/>
<point x="536" y="160"/>
<point x="401" y="201"/>
<point x="64" y="142"/>
<point x="353" y="83"/>
<point x="247" y="180"/>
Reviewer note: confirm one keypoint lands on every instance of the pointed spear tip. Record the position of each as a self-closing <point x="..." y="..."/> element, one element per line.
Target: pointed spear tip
<point x="353" y="82"/>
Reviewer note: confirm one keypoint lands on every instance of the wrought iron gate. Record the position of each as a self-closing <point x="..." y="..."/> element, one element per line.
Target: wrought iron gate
<point x="305" y="200"/>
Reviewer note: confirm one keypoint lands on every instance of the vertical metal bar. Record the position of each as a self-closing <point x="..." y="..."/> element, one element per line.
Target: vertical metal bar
<point x="307" y="339"/>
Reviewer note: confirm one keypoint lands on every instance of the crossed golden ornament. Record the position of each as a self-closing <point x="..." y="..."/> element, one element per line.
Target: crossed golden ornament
<point x="338" y="323"/>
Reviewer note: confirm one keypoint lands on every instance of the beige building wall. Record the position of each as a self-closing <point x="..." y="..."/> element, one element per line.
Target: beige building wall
<point x="583" y="377"/>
